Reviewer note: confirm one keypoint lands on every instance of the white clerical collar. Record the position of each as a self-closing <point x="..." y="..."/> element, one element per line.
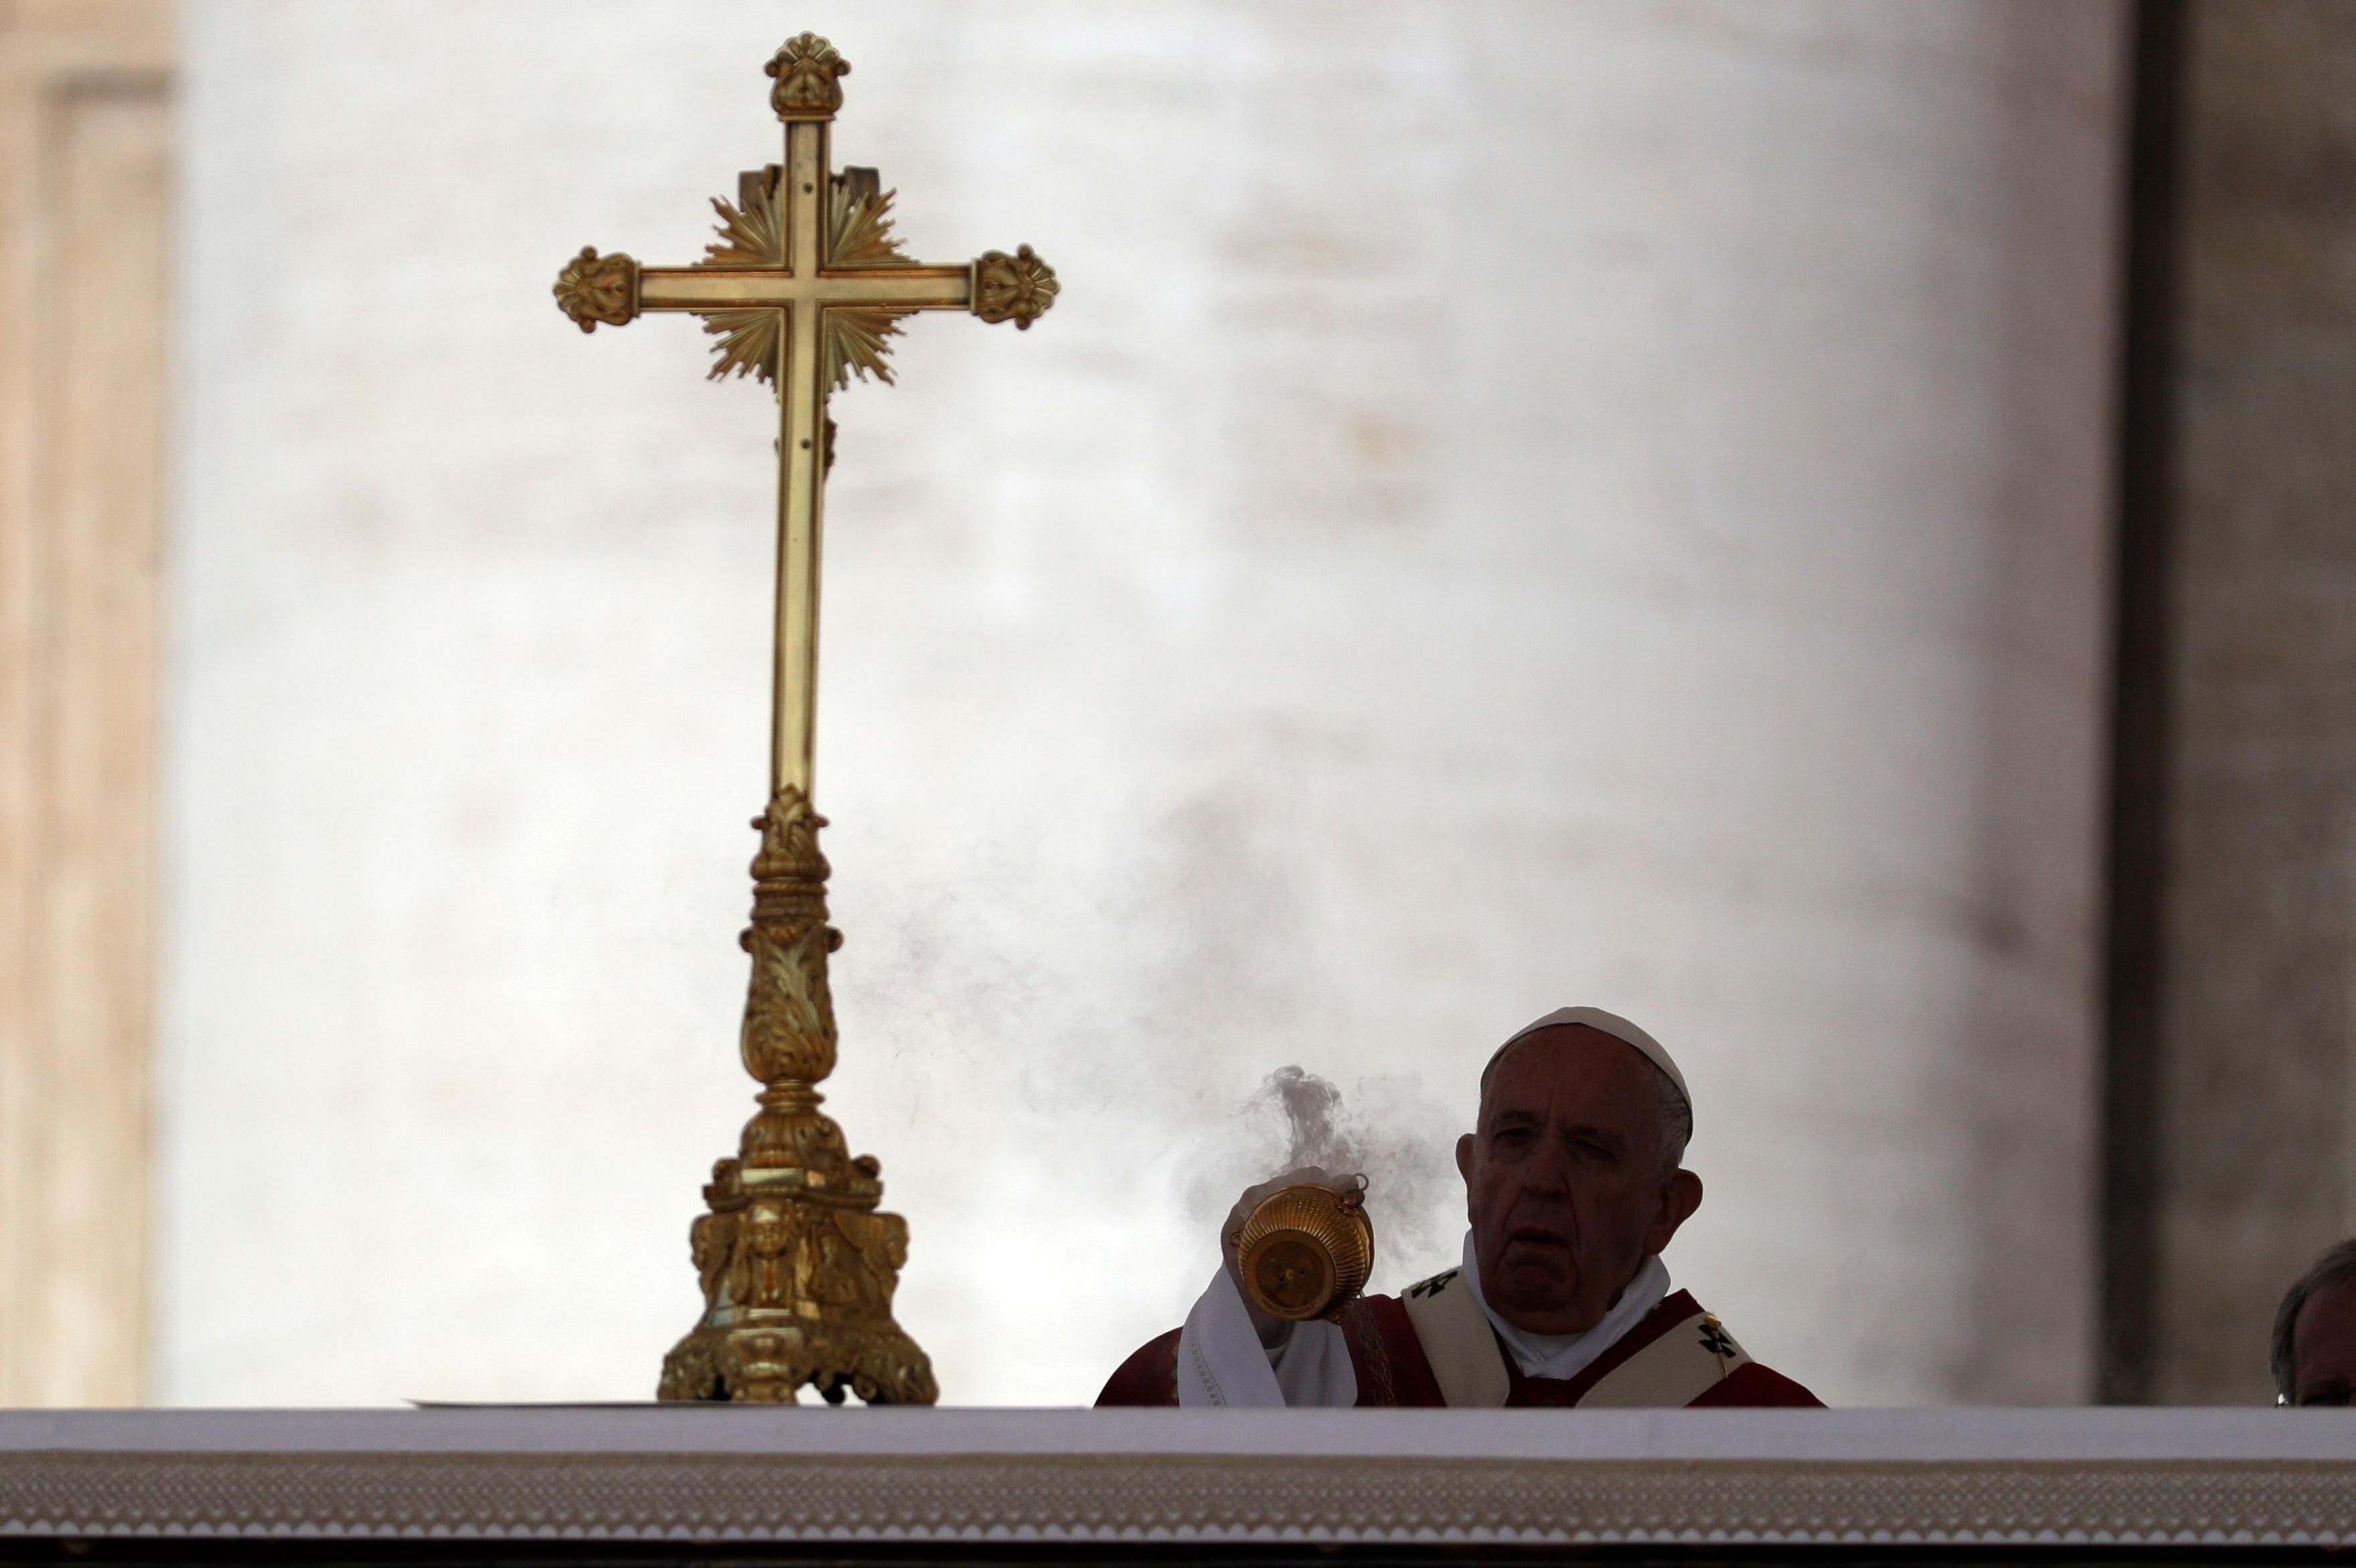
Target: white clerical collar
<point x="1567" y="1355"/>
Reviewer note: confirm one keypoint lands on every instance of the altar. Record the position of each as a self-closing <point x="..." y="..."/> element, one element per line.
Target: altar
<point x="745" y="1483"/>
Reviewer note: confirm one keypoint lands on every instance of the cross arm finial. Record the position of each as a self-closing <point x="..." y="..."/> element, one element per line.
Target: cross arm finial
<point x="1017" y="288"/>
<point x="809" y="75"/>
<point x="593" y="288"/>
<point x="850" y="265"/>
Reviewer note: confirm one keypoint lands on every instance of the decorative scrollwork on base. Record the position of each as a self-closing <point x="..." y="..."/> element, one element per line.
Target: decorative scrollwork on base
<point x="797" y="1268"/>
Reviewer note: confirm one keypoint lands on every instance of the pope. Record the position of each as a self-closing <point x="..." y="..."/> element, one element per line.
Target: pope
<point x="1574" y="1183"/>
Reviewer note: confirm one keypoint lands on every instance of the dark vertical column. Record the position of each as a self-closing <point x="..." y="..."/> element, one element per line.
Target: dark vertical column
<point x="2139" y="715"/>
<point x="2231" y="1142"/>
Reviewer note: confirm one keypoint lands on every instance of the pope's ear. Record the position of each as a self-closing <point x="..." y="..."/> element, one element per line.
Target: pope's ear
<point x="1679" y="1198"/>
<point x="1465" y="1159"/>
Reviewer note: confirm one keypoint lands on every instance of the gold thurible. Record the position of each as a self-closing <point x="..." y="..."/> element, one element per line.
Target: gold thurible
<point x="802" y="288"/>
<point x="1306" y="1252"/>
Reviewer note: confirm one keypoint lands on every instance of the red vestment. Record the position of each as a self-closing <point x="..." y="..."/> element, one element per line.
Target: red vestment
<point x="1392" y="1368"/>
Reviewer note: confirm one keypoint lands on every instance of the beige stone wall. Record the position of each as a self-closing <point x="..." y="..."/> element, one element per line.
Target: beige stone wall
<point x="2256" y="1151"/>
<point x="86" y="155"/>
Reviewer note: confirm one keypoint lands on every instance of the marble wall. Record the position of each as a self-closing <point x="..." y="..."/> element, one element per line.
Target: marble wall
<point x="1517" y="504"/>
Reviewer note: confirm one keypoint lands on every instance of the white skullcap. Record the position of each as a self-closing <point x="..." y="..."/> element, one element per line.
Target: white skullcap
<point x="1613" y="1024"/>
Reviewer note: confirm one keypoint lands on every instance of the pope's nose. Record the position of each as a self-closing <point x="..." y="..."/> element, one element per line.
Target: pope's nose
<point x="1546" y="1172"/>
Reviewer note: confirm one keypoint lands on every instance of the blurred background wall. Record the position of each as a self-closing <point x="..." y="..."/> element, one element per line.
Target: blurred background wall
<point x="1516" y="504"/>
<point x="86" y="236"/>
<point x="2232" y="1128"/>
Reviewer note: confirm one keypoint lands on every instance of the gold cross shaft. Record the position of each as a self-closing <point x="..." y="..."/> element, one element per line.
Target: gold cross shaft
<point x="803" y="288"/>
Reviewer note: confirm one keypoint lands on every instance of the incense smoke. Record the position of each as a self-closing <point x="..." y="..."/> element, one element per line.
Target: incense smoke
<point x="1395" y="1136"/>
<point x="1311" y="1107"/>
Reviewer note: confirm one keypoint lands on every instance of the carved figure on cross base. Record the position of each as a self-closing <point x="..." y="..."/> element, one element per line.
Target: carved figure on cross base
<point x="803" y="288"/>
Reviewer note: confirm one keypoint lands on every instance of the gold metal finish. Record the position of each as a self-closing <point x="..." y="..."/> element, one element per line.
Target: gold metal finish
<point x="797" y="1267"/>
<point x="1017" y="288"/>
<point x="594" y="288"/>
<point x="809" y="73"/>
<point x="1306" y="1252"/>
<point x="803" y="289"/>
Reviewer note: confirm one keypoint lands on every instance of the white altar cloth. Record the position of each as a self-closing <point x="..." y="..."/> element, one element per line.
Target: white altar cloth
<point x="722" y="1474"/>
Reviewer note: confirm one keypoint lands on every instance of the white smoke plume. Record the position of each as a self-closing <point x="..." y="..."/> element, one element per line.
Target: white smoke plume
<point x="1388" y="1129"/>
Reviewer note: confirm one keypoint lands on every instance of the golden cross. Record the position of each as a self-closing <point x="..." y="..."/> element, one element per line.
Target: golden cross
<point x="803" y="288"/>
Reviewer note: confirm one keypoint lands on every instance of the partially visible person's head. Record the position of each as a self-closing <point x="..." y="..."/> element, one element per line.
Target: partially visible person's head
<point x="2314" y="1350"/>
<point x="1572" y="1176"/>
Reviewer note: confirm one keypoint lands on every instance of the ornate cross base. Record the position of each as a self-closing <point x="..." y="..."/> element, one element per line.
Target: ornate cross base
<point x="797" y="1267"/>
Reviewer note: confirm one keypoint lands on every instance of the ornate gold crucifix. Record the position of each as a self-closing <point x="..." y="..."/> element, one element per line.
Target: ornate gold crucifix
<point x="803" y="288"/>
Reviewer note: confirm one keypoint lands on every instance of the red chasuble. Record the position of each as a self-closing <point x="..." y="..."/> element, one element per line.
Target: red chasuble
<point x="1675" y="1355"/>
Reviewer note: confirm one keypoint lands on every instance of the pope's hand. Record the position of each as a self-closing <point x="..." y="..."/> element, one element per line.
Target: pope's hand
<point x="1273" y="1331"/>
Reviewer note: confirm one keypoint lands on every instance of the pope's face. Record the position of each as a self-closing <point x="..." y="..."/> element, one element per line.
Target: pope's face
<point x="1563" y="1180"/>
<point x="2323" y="1348"/>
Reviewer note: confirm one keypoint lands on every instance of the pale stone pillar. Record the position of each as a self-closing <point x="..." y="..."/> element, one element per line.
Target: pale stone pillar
<point x="85" y="163"/>
<point x="1516" y="504"/>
